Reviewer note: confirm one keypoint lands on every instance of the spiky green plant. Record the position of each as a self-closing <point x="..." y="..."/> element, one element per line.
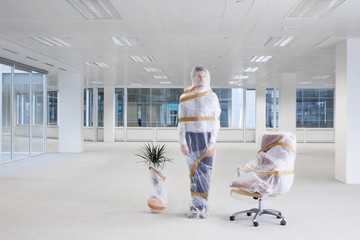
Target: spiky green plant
<point x="153" y="153"/>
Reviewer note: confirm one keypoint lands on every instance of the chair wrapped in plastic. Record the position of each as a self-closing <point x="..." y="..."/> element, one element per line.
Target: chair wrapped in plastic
<point x="271" y="174"/>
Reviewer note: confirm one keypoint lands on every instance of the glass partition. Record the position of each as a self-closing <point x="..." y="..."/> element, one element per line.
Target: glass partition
<point x="119" y="107"/>
<point x="37" y="138"/>
<point x="21" y="122"/>
<point x="138" y="110"/>
<point x="250" y="108"/>
<point x="6" y="113"/>
<point x="100" y="111"/>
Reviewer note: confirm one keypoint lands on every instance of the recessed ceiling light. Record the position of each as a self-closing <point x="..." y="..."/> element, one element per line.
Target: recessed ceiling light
<point x="126" y="41"/>
<point x="249" y="69"/>
<point x="165" y="82"/>
<point x="151" y="69"/>
<point x="52" y="41"/>
<point x="97" y="64"/>
<point x="95" y="9"/>
<point x="142" y="59"/>
<point x="321" y="77"/>
<point x="160" y="77"/>
<point x="260" y="58"/>
<point x="241" y="77"/>
<point x="278" y="41"/>
<point x="310" y="9"/>
<point x="235" y="83"/>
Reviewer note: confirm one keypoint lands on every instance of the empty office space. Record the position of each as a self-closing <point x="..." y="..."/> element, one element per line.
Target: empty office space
<point x="225" y="86"/>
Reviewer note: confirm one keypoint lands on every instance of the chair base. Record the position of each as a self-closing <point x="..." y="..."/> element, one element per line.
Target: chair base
<point x="258" y="212"/>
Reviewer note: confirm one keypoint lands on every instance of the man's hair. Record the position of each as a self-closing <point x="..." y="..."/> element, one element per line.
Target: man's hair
<point x="198" y="69"/>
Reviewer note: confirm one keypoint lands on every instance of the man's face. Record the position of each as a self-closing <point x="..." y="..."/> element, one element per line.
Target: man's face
<point x="200" y="78"/>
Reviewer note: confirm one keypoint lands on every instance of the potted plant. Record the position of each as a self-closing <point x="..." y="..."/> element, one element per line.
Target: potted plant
<point x="154" y="157"/>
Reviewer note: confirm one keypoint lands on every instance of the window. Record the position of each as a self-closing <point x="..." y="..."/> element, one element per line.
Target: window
<point x="52" y="109"/>
<point x="250" y="108"/>
<point x="315" y="108"/>
<point x="88" y="107"/>
<point x="100" y="112"/>
<point x="119" y="107"/>
<point x="22" y="109"/>
<point x="232" y="106"/>
<point x="156" y="107"/>
<point x="270" y="107"/>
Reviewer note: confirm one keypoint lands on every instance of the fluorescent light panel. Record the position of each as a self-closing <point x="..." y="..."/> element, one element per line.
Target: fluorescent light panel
<point x="160" y="77"/>
<point x="310" y="9"/>
<point x="142" y="59"/>
<point x="278" y="41"/>
<point x="260" y="58"/>
<point x="97" y="64"/>
<point x="95" y="9"/>
<point x="151" y="69"/>
<point x="165" y="82"/>
<point x="321" y="77"/>
<point x="52" y="41"/>
<point x="126" y="41"/>
<point x="241" y="77"/>
<point x="249" y="69"/>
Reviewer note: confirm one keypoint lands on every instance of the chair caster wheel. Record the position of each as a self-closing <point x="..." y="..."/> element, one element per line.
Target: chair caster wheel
<point x="278" y="217"/>
<point x="249" y="214"/>
<point x="283" y="222"/>
<point x="232" y="218"/>
<point x="256" y="224"/>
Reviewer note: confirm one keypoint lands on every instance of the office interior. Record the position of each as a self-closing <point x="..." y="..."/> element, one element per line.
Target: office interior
<point x="84" y="83"/>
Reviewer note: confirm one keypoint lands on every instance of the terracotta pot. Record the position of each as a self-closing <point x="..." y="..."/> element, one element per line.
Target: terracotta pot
<point x="155" y="205"/>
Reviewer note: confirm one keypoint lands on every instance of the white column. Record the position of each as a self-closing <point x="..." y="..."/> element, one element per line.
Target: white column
<point x="1" y="112"/>
<point x="70" y="112"/>
<point x="287" y="103"/>
<point x="109" y="114"/>
<point x="260" y="112"/>
<point x="347" y="113"/>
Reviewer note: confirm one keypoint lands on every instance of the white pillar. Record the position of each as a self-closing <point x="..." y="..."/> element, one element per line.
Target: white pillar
<point x="70" y="112"/>
<point x="109" y="114"/>
<point x="287" y="103"/>
<point x="260" y="112"/>
<point x="347" y="115"/>
<point x="1" y="112"/>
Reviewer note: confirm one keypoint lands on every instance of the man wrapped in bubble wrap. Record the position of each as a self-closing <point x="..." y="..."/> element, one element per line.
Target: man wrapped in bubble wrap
<point x="199" y="123"/>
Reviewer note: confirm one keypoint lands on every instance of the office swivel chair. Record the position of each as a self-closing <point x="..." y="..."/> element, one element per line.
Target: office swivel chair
<point x="269" y="175"/>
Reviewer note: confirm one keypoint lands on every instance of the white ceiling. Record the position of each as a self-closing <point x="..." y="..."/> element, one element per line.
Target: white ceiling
<point x="221" y="35"/>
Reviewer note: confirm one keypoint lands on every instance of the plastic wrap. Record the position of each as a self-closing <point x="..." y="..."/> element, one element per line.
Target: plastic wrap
<point x="272" y="172"/>
<point x="199" y="123"/>
<point x="158" y="196"/>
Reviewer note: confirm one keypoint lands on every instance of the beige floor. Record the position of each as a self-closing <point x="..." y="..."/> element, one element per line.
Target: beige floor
<point x="101" y="194"/>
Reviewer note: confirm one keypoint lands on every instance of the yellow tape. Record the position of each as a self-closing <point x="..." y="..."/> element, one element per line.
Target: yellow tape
<point x="193" y="169"/>
<point x="193" y="119"/>
<point x="158" y="173"/>
<point x="278" y="143"/>
<point x="204" y="195"/>
<point x="272" y="172"/>
<point x="257" y="195"/>
<point x="195" y="96"/>
<point x="190" y="90"/>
